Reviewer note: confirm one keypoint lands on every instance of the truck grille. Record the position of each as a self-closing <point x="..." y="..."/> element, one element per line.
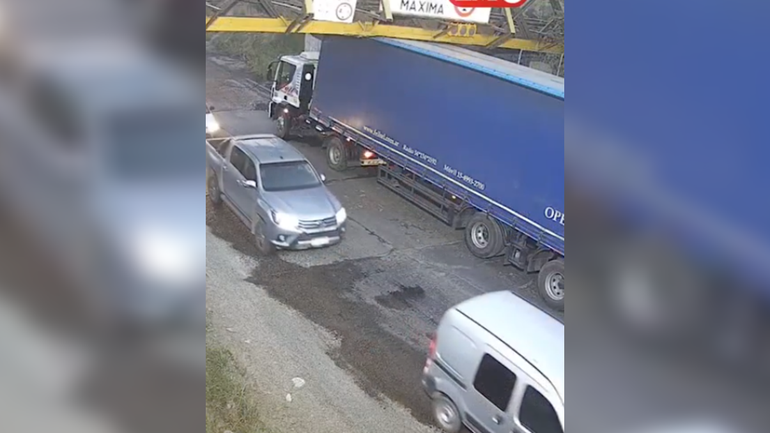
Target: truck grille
<point x="318" y="224"/>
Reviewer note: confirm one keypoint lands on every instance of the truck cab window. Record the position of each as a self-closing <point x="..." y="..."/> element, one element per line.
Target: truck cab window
<point x="537" y="414"/>
<point x="495" y="382"/>
<point x="285" y="73"/>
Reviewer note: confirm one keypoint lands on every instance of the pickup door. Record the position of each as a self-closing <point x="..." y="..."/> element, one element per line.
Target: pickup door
<point x="236" y="169"/>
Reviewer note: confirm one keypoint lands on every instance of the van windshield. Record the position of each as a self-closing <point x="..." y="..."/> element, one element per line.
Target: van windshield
<point x="287" y="176"/>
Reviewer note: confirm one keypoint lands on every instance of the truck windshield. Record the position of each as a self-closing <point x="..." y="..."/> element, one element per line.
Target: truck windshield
<point x="287" y="176"/>
<point x="151" y="144"/>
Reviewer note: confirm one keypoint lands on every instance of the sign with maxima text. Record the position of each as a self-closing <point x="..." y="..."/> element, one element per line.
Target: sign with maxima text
<point x="471" y="4"/>
<point x="441" y="9"/>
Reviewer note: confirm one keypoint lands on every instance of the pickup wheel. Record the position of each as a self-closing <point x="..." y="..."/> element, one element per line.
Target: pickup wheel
<point x="336" y="154"/>
<point x="264" y="246"/>
<point x="484" y="236"/>
<point x="550" y="284"/>
<point x="283" y="125"/>
<point x="213" y="189"/>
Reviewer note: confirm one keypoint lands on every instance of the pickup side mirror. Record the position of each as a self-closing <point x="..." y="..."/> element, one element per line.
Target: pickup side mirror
<point x="323" y="177"/>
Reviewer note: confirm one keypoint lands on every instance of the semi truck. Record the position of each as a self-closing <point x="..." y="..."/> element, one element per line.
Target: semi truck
<point x="476" y="141"/>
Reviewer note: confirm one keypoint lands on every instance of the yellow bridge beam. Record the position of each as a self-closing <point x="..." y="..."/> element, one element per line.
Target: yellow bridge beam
<point x="359" y="29"/>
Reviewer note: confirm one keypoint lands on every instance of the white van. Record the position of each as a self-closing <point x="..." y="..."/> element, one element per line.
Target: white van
<point x="496" y="365"/>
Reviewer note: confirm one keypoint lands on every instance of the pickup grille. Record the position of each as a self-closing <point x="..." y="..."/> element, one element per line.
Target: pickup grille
<point x="308" y="236"/>
<point x="318" y="224"/>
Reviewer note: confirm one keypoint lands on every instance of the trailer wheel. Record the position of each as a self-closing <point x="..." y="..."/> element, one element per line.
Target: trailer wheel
<point x="550" y="284"/>
<point x="336" y="154"/>
<point x="484" y="236"/>
<point x="657" y="295"/>
<point x="284" y="123"/>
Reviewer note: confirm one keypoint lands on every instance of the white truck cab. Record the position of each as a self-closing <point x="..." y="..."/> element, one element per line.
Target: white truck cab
<point x="293" y="79"/>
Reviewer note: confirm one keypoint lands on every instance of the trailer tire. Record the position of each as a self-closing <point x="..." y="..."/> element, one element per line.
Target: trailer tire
<point x="484" y="236"/>
<point x="283" y="125"/>
<point x="658" y="296"/>
<point x="336" y="154"/>
<point x="550" y="284"/>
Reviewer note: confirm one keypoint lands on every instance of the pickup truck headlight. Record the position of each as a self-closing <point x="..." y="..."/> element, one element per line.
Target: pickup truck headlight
<point x="285" y="221"/>
<point x="341" y="215"/>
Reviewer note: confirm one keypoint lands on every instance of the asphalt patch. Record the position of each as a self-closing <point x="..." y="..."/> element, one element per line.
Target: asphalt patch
<point x="380" y="362"/>
<point x="399" y="299"/>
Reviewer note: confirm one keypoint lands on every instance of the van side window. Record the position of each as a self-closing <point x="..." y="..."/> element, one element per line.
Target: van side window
<point x="537" y="414"/>
<point x="495" y="382"/>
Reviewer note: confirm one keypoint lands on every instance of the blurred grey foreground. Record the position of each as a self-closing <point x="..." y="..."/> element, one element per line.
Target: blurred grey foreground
<point x="668" y="316"/>
<point x="102" y="258"/>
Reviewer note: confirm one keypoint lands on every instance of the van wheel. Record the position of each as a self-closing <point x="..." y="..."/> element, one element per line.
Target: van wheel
<point x="264" y="246"/>
<point x="213" y="188"/>
<point x="283" y="123"/>
<point x="446" y="414"/>
<point x="484" y="236"/>
<point x="550" y="284"/>
<point x="336" y="154"/>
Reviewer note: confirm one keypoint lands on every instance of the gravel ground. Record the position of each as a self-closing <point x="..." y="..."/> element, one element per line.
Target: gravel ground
<point x="352" y="319"/>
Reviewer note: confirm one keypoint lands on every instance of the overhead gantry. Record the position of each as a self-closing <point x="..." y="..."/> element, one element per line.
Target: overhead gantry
<point x="374" y="18"/>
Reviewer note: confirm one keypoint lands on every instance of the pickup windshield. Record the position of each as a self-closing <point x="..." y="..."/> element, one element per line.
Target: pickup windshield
<point x="287" y="176"/>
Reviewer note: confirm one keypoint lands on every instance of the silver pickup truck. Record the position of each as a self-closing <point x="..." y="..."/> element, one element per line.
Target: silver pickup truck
<point x="275" y="191"/>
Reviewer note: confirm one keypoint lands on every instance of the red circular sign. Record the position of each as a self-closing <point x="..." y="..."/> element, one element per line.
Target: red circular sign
<point x="464" y="13"/>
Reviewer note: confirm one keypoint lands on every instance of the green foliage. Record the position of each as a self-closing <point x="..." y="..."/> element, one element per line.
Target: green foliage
<point x="258" y="50"/>
<point x="229" y="405"/>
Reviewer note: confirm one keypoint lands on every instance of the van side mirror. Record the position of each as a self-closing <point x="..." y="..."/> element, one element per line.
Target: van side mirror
<point x="212" y="108"/>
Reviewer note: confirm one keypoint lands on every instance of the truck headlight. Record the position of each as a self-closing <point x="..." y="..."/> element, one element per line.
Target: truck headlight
<point x="341" y="215"/>
<point x="285" y="221"/>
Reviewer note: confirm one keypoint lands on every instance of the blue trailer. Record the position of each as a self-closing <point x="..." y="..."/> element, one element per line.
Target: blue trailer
<point x="476" y="141"/>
